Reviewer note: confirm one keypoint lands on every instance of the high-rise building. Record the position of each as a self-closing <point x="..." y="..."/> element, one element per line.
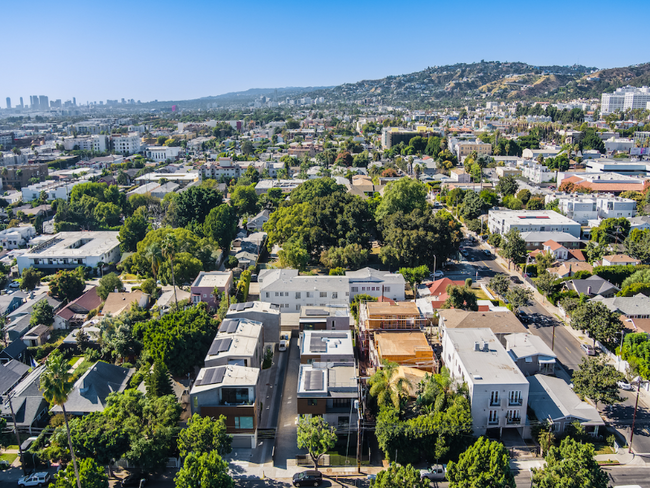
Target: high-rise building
<point x="627" y="97"/>
<point x="43" y="102"/>
<point x="74" y="102"/>
<point x="21" y="103"/>
<point x="33" y="102"/>
<point x="8" y="102"/>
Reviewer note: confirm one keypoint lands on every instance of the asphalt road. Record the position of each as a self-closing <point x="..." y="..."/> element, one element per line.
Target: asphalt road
<point x="567" y="349"/>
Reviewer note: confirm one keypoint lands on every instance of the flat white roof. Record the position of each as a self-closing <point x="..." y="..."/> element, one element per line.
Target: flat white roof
<point x="212" y="279"/>
<point x="528" y="217"/>
<point x="75" y="245"/>
<point x="233" y="375"/>
<point x="327" y="343"/>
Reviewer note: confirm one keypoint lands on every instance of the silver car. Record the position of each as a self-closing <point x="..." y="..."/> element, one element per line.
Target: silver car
<point x="35" y="479"/>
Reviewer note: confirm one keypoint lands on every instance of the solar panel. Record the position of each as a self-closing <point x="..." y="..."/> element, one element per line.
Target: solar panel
<point x="214" y="348"/>
<point x="317" y="344"/>
<point x="228" y="326"/>
<point x="233" y="307"/>
<point x="313" y="380"/>
<point x="240" y="307"/>
<point x="225" y="344"/>
<point x="212" y="376"/>
<point x="313" y="312"/>
<point x="248" y="305"/>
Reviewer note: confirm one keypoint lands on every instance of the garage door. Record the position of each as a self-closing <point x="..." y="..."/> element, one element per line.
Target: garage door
<point x="242" y="442"/>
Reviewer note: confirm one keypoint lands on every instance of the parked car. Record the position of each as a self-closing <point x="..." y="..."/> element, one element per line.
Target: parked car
<point x="14" y="284"/>
<point x="285" y="340"/>
<point x="35" y="479"/>
<point x="438" y="274"/>
<point x="516" y="279"/>
<point x="308" y="478"/>
<point x="434" y="473"/>
<point x="523" y="316"/>
<point x="487" y="252"/>
<point x="624" y="385"/>
<point x="588" y="349"/>
<point x="135" y="479"/>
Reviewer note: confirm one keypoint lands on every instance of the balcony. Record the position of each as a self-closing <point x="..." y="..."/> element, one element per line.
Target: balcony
<point x="515" y="402"/>
<point x="514" y="421"/>
<point x="493" y="421"/>
<point x="495" y="402"/>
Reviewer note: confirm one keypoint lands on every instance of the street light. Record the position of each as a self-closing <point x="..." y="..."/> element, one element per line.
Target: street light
<point x="636" y="380"/>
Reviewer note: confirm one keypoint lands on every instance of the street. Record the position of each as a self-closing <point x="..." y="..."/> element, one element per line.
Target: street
<point x="567" y="348"/>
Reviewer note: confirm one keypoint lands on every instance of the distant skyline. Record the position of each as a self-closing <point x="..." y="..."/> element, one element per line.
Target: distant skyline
<point x="168" y="50"/>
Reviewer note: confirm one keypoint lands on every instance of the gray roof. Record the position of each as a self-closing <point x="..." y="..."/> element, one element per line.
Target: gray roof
<point x="10" y="374"/>
<point x="525" y="345"/>
<point x="26" y="308"/>
<point x="19" y="328"/>
<point x="28" y="401"/>
<point x="374" y="275"/>
<point x="594" y="285"/>
<point x="91" y="390"/>
<point x="14" y="349"/>
<point x="288" y="279"/>
<point x="6" y="301"/>
<point x="553" y="398"/>
<point x="558" y="237"/>
<point x="630" y="306"/>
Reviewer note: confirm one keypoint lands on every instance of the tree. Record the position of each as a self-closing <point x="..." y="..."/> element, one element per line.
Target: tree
<point x="544" y="260"/>
<point x="245" y="200"/>
<point x="598" y="321"/>
<point x="180" y="339"/>
<point x="206" y="470"/>
<point x="169" y="249"/>
<point x="461" y="298"/>
<point x="194" y="204"/>
<point x="571" y="465"/>
<point x="91" y="475"/>
<point x="611" y="230"/>
<point x="135" y="228"/>
<point x="387" y="387"/>
<point x="231" y="263"/>
<point x="315" y="435"/>
<point x="484" y="464"/>
<point x="108" y="284"/>
<point x="204" y="435"/>
<point x="42" y="313"/>
<point x="545" y="282"/>
<point x="595" y="251"/>
<point x="596" y="380"/>
<point x="514" y="249"/>
<point x="221" y="225"/>
<point x="67" y="285"/>
<point x="158" y="382"/>
<point x="397" y="476"/>
<point x="507" y="185"/>
<point x="518" y="297"/>
<point x="416" y="275"/>
<point x="56" y="385"/>
<point x="500" y="283"/>
<point x="31" y="278"/>
<point x="637" y="244"/>
<point x="524" y="195"/>
<point x="472" y="206"/>
<point x="403" y="195"/>
<point x="352" y="256"/>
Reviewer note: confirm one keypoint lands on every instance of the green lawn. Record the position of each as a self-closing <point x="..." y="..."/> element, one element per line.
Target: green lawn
<point x="73" y="360"/>
<point x="9" y="458"/>
<point x="480" y="294"/>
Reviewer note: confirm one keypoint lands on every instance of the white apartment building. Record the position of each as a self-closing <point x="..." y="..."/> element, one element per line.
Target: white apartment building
<point x="627" y="97"/>
<point x="53" y="189"/>
<point x="502" y="221"/>
<point x="369" y="281"/>
<point x="161" y="154"/>
<point x="17" y="237"/>
<point x="96" y="143"/>
<point x="127" y="144"/>
<point x="92" y="126"/>
<point x="288" y="290"/>
<point x="537" y="173"/>
<point x="69" y="250"/>
<point x="223" y="167"/>
<point x="583" y="208"/>
<point x="618" y="145"/>
<point x="498" y="390"/>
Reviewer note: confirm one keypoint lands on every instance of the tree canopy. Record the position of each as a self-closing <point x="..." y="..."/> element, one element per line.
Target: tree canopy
<point x="397" y="476"/>
<point x="206" y="470"/>
<point x="315" y="435"/>
<point x="404" y="195"/>
<point x="571" y="465"/>
<point x="204" y="435"/>
<point x="596" y="380"/>
<point x="486" y="463"/>
<point x="194" y="204"/>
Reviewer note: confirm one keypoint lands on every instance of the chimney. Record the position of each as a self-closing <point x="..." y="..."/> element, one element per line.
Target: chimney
<point x="477" y="346"/>
<point x="486" y="347"/>
<point x="589" y="290"/>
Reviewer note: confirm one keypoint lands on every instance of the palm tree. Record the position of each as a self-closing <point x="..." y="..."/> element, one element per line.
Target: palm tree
<point x="169" y="250"/>
<point x="387" y="387"/>
<point x="56" y="384"/>
<point x="155" y="254"/>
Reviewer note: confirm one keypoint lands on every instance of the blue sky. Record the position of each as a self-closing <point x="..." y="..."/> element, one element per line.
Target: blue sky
<point x="170" y="50"/>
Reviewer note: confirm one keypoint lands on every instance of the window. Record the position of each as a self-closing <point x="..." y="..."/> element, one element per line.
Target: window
<point x="277" y="294"/>
<point x="335" y="294"/>
<point x="514" y="397"/>
<point x="513" y="416"/>
<point x="312" y="402"/>
<point x="297" y="294"/>
<point x="493" y="417"/>
<point x="355" y="289"/>
<point x="387" y="288"/>
<point x="205" y="295"/>
<point x="341" y="402"/>
<point x="308" y="294"/>
<point x="298" y="307"/>
<point x="243" y="422"/>
<point x="494" y="398"/>
<point x="323" y="294"/>
<point x="234" y="395"/>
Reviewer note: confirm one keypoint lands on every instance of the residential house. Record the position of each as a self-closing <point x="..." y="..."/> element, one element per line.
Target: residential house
<point x="206" y="282"/>
<point x="257" y="222"/>
<point x="29" y="406"/>
<point x="407" y="348"/>
<point x="531" y="354"/>
<point x="329" y="391"/>
<point x="264" y="312"/>
<point x="616" y="259"/>
<point x="246" y="259"/>
<point x="592" y="286"/>
<point x="118" y="302"/>
<point x="239" y="341"/>
<point x="10" y="375"/>
<point x="320" y="346"/>
<point x="18" y="321"/>
<point x="369" y="281"/>
<point x="334" y="317"/>
<point x="37" y="336"/>
<point x="498" y="390"/>
<point x="232" y="391"/>
<point x="74" y="313"/>
<point x="636" y="307"/>
<point x="570" y="268"/>
<point x="288" y="290"/>
<point x="9" y="303"/>
<point x="17" y="237"/>
<point x="91" y="390"/>
<point x="500" y="323"/>
<point x="14" y="351"/>
<point x="559" y="252"/>
<point x="387" y="316"/>
<point x="554" y="400"/>
<point x="536" y="240"/>
<point x="168" y="298"/>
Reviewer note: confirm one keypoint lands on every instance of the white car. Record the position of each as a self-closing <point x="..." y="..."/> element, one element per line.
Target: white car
<point x="14" y="284"/>
<point x="36" y="479"/>
<point x="438" y="274"/>
<point x="285" y="340"/>
<point x="436" y="472"/>
<point x="624" y="385"/>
